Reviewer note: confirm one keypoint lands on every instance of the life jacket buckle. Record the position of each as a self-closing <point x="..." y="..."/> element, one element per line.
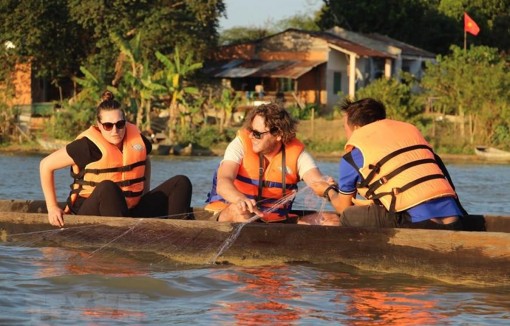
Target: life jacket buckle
<point x="382" y="180"/>
<point x="375" y="167"/>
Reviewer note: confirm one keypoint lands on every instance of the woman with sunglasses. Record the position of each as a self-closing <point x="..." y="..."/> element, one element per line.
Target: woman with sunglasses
<point x="261" y="169"/>
<point x="111" y="170"/>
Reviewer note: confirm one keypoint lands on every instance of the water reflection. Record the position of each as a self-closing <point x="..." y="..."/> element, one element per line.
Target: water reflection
<point x="58" y="262"/>
<point x="269" y="289"/>
<point x="408" y="306"/>
<point x="277" y="294"/>
<point x="70" y="286"/>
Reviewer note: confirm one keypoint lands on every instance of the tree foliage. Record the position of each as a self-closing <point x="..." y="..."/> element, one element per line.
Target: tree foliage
<point x="43" y="32"/>
<point x="190" y="24"/>
<point x="241" y="34"/>
<point x="397" y="96"/>
<point x="472" y="84"/>
<point x="433" y="25"/>
<point x="172" y="81"/>
<point x="79" y="113"/>
<point x="300" y="21"/>
<point x="62" y="35"/>
<point x="492" y="16"/>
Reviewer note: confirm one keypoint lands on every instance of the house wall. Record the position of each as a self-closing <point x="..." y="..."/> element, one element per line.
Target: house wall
<point x="337" y="63"/>
<point x="414" y="67"/>
<point x="312" y="86"/>
<point x="364" y="72"/>
<point x="22" y="80"/>
<point x="29" y="90"/>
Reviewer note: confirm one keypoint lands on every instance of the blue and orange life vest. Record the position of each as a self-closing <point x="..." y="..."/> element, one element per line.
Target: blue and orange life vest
<point x="399" y="168"/>
<point x="126" y="168"/>
<point x="266" y="184"/>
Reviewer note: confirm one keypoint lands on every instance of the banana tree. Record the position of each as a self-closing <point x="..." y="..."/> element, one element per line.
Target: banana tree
<point x="92" y="86"/>
<point x="172" y="79"/>
<point x="148" y="93"/>
<point x="130" y="69"/>
<point x="227" y="102"/>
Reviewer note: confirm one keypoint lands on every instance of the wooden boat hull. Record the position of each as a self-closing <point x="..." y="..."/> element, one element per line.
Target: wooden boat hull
<point x="52" y="144"/>
<point x="492" y="154"/>
<point x="471" y="258"/>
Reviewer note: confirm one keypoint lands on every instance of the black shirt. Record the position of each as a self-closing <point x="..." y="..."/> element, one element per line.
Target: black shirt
<point x="83" y="151"/>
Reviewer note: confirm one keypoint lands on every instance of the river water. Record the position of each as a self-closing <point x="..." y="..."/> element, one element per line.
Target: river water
<point x="52" y="286"/>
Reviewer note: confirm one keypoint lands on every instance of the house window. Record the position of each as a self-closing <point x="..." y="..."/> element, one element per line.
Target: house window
<point x="286" y="84"/>
<point x="406" y="66"/>
<point x="337" y="82"/>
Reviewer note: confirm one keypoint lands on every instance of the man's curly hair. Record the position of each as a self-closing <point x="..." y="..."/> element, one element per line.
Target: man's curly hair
<point x="277" y="119"/>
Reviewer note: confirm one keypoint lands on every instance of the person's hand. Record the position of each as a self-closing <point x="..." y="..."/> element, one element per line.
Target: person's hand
<point x="322" y="187"/>
<point x="319" y="186"/>
<point x="56" y="216"/>
<point x="244" y="209"/>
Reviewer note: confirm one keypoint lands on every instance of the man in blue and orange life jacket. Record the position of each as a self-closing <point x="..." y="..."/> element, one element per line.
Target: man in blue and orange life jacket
<point x="390" y="164"/>
<point x="111" y="173"/>
<point x="261" y="168"/>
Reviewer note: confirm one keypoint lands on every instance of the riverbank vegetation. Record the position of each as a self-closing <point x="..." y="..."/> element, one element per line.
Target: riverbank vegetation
<point x="150" y="56"/>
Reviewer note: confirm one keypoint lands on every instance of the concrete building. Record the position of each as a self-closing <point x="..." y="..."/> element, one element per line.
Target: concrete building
<point x="318" y="68"/>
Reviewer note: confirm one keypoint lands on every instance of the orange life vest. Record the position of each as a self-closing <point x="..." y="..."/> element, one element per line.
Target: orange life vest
<point x="399" y="169"/>
<point x="126" y="168"/>
<point x="266" y="187"/>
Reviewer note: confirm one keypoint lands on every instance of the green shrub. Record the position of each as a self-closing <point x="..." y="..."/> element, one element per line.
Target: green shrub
<point x="302" y="114"/>
<point x="206" y="137"/>
<point x="324" y="147"/>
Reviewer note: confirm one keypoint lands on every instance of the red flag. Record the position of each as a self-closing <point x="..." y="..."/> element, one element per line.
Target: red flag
<point x="470" y="26"/>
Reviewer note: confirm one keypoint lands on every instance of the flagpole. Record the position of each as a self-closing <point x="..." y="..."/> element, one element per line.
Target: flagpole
<point x="465" y="36"/>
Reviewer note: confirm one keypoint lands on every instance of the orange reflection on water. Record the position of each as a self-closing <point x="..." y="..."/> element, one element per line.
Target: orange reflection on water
<point x="111" y="312"/>
<point x="269" y="286"/>
<point x="395" y="308"/>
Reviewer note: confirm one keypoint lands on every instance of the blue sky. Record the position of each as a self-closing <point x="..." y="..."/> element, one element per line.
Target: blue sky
<point x="249" y="13"/>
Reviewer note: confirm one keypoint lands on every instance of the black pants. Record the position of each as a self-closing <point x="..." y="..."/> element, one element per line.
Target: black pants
<point x="171" y="199"/>
<point x="377" y="216"/>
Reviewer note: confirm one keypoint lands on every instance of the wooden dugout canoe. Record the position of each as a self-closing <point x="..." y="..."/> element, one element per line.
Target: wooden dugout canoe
<point x="480" y="257"/>
<point x="492" y="154"/>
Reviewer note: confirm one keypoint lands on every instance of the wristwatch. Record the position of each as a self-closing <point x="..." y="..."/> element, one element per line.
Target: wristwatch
<point x="326" y="192"/>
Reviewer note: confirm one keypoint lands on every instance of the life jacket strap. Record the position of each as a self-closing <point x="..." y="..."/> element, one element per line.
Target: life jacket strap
<point x="398" y="190"/>
<point x="261" y="183"/>
<point x="123" y="168"/>
<point x="372" y="188"/>
<point x="123" y="183"/>
<point x="375" y="168"/>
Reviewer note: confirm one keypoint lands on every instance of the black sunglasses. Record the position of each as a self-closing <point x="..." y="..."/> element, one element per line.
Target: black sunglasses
<point x="257" y="134"/>
<point x="109" y="125"/>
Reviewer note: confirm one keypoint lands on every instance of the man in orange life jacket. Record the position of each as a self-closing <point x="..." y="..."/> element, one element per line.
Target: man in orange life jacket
<point x="111" y="171"/>
<point x="262" y="166"/>
<point x="391" y="165"/>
